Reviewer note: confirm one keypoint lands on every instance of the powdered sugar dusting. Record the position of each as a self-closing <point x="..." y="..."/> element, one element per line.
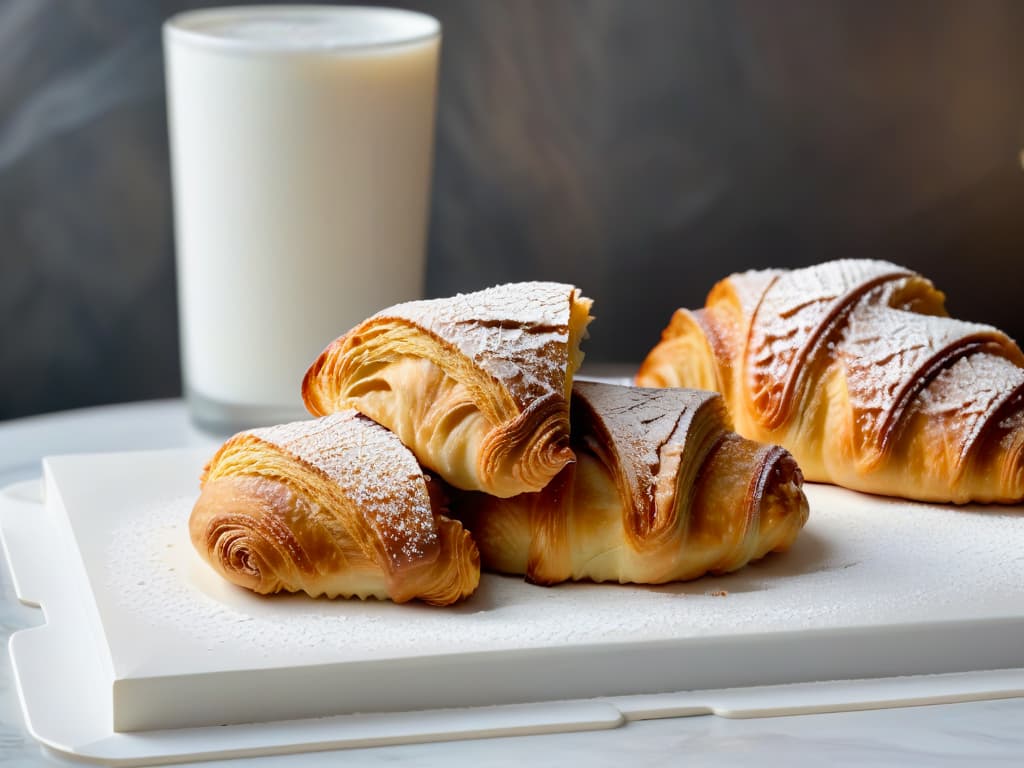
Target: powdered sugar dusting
<point x="886" y="351"/>
<point x="851" y="566"/>
<point x="793" y="316"/>
<point x="518" y="332"/>
<point x="640" y="422"/>
<point x="848" y="310"/>
<point x="373" y="469"/>
<point x="751" y="285"/>
<point x="973" y="390"/>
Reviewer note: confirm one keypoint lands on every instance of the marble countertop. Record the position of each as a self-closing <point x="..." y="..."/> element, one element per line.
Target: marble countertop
<point x="975" y="733"/>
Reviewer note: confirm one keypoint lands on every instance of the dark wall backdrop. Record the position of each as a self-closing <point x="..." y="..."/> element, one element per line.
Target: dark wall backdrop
<point x="639" y="149"/>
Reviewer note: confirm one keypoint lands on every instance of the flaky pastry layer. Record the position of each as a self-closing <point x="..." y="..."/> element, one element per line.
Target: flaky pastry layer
<point x="855" y="367"/>
<point x="335" y="507"/>
<point x="476" y="385"/>
<point x="661" y="491"/>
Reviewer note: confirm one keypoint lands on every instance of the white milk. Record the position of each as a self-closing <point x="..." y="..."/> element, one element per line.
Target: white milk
<point x="301" y="147"/>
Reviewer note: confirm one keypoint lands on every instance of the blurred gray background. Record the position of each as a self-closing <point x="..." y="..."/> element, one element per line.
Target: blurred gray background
<point x="641" y="150"/>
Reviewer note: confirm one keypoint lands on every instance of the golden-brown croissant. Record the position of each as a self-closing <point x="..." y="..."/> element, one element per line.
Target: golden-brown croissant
<point x="662" y="490"/>
<point x="476" y="385"/>
<point x="335" y="506"/>
<point x="855" y="367"/>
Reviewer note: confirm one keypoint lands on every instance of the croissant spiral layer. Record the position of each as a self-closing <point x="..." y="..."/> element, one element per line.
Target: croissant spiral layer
<point x="476" y="385"/>
<point x="334" y="507"/>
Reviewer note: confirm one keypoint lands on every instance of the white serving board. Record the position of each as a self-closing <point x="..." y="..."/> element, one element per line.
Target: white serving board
<point x="873" y="588"/>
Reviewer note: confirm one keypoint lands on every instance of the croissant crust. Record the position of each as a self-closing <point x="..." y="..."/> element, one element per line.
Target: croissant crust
<point x="476" y="385"/>
<point x="856" y="368"/>
<point x="662" y="491"/>
<point x="334" y="507"/>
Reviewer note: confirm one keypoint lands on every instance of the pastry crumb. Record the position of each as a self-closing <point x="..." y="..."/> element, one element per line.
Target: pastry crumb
<point x="719" y="593"/>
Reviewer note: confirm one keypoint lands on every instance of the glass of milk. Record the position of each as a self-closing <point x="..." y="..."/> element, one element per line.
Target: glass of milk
<point x="301" y="145"/>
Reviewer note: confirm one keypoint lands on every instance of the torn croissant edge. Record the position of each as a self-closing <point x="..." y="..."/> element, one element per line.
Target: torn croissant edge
<point x="477" y="385"/>
<point x="334" y="506"/>
<point x="855" y="367"/>
<point x="662" y="491"/>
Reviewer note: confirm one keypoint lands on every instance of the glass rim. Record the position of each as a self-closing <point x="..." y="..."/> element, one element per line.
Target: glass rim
<point x="192" y="27"/>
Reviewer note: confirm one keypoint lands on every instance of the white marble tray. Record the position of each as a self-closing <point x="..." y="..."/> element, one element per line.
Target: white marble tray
<point x="873" y="588"/>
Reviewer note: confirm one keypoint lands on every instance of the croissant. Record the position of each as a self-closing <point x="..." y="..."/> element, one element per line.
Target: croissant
<point x="477" y="385"/>
<point x="335" y="507"/>
<point x="855" y="367"/>
<point x="662" y="490"/>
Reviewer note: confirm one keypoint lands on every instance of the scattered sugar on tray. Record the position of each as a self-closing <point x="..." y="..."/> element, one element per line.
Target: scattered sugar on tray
<point x="855" y="563"/>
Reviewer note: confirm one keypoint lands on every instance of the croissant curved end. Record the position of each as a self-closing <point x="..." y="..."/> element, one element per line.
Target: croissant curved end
<point x="524" y="455"/>
<point x="245" y="548"/>
<point x="784" y="508"/>
<point x="1014" y="472"/>
<point x="750" y="502"/>
<point x="1005" y="481"/>
<point x="683" y="357"/>
<point x="235" y="552"/>
<point x="455" y="575"/>
<point x="316" y="390"/>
